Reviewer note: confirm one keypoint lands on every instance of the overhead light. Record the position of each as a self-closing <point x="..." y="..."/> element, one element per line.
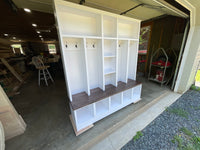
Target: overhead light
<point x="38" y="32"/>
<point x="14" y="38"/>
<point x="34" y="25"/>
<point x="27" y="10"/>
<point x="20" y="40"/>
<point x="40" y="36"/>
<point x="42" y="39"/>
<point x="5" y="34"/>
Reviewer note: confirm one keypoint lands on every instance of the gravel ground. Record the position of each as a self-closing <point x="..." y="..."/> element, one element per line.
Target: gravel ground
<point x="159" y="133"/>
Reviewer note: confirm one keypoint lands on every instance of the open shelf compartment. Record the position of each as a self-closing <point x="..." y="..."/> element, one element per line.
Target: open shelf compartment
<point x="109" y="26"/>
<point x="75" y="63"/>
<point x="116" y="101"/>
<point x="85" y="114"/>
<point x="102" y="106"/>
<point x="110" y="79"/>
<point x="122" y="60"/>
<point x="94" y="63"/>
<point x="128" y="29"/>
<point x="127" y="96"/>
<point x="137" y="93"/>
<point x="73" y="22"/>
<point x="110" y="47"/>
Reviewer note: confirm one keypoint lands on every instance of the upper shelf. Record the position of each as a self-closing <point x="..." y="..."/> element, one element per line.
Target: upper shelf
<point x="88" y="23"/>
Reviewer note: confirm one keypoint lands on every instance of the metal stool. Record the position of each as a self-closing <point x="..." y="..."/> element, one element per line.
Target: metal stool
<point x="43" y="73"/>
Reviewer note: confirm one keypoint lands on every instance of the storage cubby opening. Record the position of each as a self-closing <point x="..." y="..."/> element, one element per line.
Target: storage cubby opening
<point x="109" y="26"/>
<point x="75" y="64"/>
<point x="85" y="114"/>
<point x="102" y="106"/>
<point x="116" y="101"/>
<point x="94" y="61"/>
<point x="127" y="96"/>
<point x="109" y="65"/>
<point x="128" y="29"/>
<point x="122" y="60"/>
<point x="137" y="93"/>
<point x="132" y="64"/>
<point x="110" y="48"/>
<point x="73" y="22"/>
<point x="110" y="79"/>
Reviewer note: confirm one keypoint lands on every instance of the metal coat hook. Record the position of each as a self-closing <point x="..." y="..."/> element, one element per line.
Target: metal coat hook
<point x="76" y="45"/>
<point x="66" y="45"/>
<point x="93" y="45"/>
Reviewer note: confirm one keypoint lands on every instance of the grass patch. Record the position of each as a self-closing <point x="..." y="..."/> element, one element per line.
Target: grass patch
<point x="193" y="87"/>
<point x="187" y="140"/>
<point x="186" y="131"/>
<point x="178" y="111"/>
<point x="138" y="135"/>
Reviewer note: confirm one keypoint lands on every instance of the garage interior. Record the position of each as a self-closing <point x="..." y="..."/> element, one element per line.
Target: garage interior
<point x="25" y="33"/>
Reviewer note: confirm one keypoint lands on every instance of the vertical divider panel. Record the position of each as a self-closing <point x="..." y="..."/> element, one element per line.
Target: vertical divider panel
<point x="117" y="47"/>
<point x="102" y="58"/>
<point x="117" y="28"/>
<point x="74" y="116"/>
<point x="94" y="109"/>
<point x="127" y="61"/>
<point x="132" y="94"/>
<point x="60" y="37"/>
<point x="109" y="104"/>
<point x="122" y="101"/>
<point x="136" y="58"/>
<point x="102" y="30"/>
<point x="86" y="66"/>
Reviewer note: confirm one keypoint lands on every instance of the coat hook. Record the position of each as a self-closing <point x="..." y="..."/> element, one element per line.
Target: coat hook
<point x="93" y="45"/>
<point x="66" y="45"/>
<point x="119" y="45"/>
<point x="76" y="45"/>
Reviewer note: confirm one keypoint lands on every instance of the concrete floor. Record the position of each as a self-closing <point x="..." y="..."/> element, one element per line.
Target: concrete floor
<point x="46" y="111"/>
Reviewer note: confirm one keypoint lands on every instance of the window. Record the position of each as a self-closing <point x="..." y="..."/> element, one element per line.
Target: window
<point x="52" y="48"/>
<point x="17" y="49"/>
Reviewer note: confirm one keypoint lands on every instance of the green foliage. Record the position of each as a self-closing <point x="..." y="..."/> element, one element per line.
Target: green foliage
<point x="137" y="136"/>
<point x="187" y="140"/>
<point x="186" y="131"/>
<point x="179" y="140"/>
<point x="178" y="111"/>
<point x="193" y="87"/>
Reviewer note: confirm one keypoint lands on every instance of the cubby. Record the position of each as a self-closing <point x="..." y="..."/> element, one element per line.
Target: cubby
<point x="127" y="96"/>
<point x="94" y="63"/>
<point x="99" y="53"/>
<point x="132" y="61"/>
<point x="79" y="22"/>
<point x="137" y="93"/>
<point x="116" y="101"/>
<point x="84" y="114"/>
<point x="102" y="107"/>
<point x="75" y="64"/>
<point x="128" y="29"/>
<point x="109" y="26"/>
<point x="122" y="60"/>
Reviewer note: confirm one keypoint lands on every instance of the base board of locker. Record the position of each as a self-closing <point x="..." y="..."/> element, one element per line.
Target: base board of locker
<point x="77" y="133"/>
<point x="137" y="101"/>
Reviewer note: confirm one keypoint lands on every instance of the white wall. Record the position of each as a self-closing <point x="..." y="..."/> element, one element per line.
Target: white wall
<point x="191" y="56"/>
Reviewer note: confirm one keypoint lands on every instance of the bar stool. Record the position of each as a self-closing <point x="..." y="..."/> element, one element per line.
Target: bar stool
<point x="43" y="73"/>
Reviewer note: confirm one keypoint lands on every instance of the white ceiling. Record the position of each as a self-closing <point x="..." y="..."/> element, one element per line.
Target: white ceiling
<point x="149" y="11"/>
